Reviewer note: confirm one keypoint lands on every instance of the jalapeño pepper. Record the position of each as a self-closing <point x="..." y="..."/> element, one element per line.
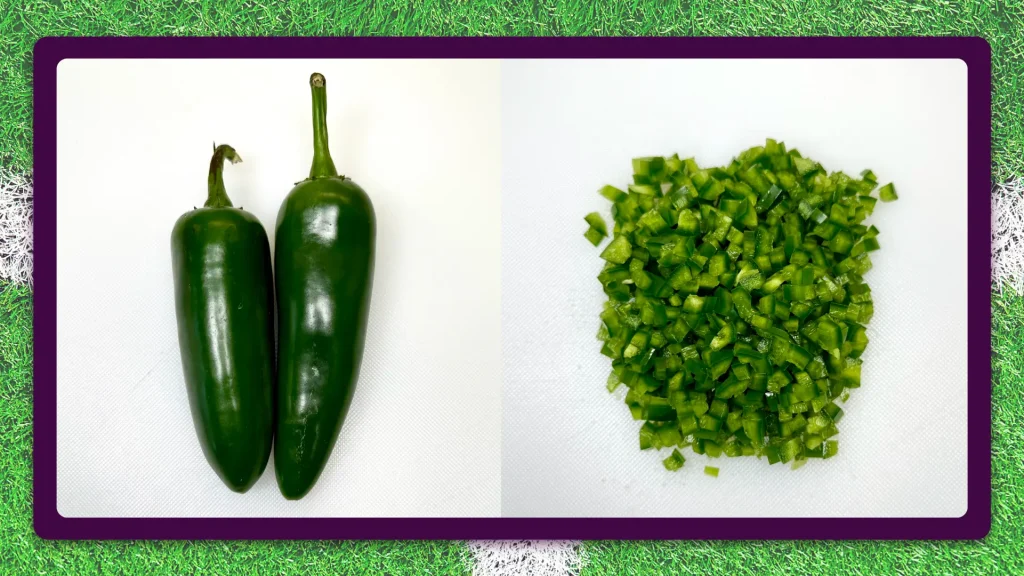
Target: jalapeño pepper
<point x="225" y="308"/>
<point x="324" y="257"/>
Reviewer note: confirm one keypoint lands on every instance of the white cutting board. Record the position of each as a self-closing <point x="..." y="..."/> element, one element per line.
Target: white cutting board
<point x="422" y="437"/>
<point x="569" y="127"/>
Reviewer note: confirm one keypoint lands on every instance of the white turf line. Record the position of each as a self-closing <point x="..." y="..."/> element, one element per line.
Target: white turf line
<point x="530" y="557"/>
<point x="15" y="228"/>
<point x="1008" y="236"/>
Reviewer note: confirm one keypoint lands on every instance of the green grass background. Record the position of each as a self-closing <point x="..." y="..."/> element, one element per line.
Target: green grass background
<point x="22" y="23"/>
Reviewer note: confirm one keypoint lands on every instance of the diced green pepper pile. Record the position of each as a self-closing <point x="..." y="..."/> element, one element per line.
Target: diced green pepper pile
<point x="736" y="301"/>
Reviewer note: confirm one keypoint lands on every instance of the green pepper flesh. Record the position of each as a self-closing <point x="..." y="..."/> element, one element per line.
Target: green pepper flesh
<point x="737" y="303"/>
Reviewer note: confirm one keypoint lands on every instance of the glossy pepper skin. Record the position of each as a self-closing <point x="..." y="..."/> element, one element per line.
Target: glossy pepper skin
<point x="223" y="286"/>
<point x="324" y="257"/>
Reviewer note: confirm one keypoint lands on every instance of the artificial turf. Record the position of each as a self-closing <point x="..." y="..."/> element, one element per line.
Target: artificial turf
<point x="1000" y="22"/>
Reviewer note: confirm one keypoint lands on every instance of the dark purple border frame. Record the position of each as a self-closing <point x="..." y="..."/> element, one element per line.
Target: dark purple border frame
<point x="975" y="52"/>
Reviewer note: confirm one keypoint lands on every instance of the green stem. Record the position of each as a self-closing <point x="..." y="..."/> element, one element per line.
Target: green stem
<point x="323" y="166"/>
<point x="218" y="197"/>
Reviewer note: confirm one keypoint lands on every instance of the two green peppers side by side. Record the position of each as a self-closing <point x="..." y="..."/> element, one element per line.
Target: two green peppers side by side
<point x="224" y="286"/>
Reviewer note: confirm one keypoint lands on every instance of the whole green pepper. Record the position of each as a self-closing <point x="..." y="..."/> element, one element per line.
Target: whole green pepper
<point x="324" y="258"/>
<point x="223" y="286"/>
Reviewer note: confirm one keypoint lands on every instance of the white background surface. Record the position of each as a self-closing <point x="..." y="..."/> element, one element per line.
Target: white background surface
<point x="569" y="127"/>
<point x="422" y="437"/>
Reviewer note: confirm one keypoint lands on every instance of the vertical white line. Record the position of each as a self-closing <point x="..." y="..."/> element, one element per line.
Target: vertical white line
<point x="15" y="227"/>
<point x="1008" y="236"/>
<point x="526" y="557"/>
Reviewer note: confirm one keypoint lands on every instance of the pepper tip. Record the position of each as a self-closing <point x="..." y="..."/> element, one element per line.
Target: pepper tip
<point x="317" y="80"/>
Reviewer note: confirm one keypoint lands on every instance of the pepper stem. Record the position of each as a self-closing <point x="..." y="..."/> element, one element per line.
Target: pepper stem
<point x="218" y="197"/>
<point x="323" y="166"/>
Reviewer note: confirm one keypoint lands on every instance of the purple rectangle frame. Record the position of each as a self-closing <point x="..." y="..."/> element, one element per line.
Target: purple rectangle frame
<point x="975" y="523"/>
